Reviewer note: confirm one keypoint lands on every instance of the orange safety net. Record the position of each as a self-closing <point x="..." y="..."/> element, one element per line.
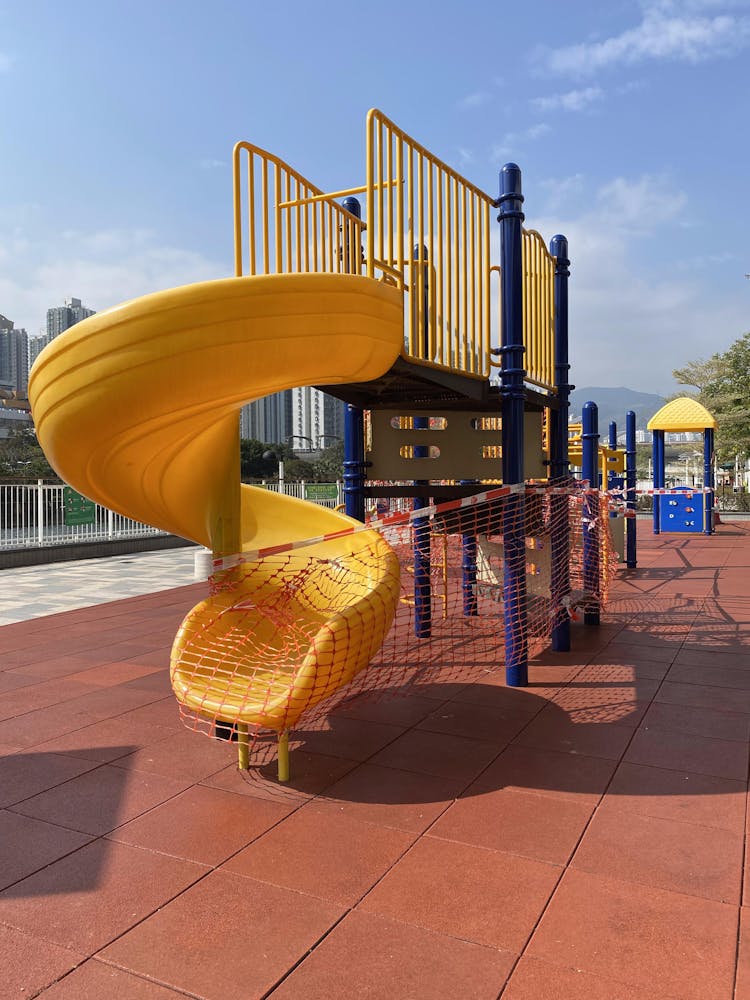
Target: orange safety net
<point x="286" y="637"/>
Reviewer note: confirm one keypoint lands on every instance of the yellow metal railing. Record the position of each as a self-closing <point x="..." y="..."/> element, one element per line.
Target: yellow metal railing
<point x="428" y="231"/>
<point x="283" y="224"/>
<point x="538" y="310"/>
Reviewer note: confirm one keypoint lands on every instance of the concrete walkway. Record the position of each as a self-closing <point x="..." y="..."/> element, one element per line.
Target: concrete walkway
<point x="582" y="839"/>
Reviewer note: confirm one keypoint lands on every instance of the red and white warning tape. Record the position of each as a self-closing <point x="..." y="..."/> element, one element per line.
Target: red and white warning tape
<point x="402" y="517"/>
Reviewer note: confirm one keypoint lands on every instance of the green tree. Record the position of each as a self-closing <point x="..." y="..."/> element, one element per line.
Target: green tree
<point x="21" y="457"/>
<point x="330" y="466"/>
<point x="253" y="465"/>
<point x="723" y="383"/>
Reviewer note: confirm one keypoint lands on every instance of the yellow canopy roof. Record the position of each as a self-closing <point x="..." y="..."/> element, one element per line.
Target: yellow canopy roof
<point x="684" y="414"/>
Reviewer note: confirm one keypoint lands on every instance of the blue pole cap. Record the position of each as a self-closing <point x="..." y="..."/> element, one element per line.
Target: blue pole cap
<point x="352" y="205"/>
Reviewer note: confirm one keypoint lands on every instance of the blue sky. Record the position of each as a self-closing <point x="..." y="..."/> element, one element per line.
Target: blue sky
<point x="629" y="121"/>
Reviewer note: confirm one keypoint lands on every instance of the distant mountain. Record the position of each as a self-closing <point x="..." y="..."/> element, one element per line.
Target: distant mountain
<point x="613" y="405"/>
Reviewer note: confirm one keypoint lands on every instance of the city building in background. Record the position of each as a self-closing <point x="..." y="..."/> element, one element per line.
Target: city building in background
<point x="317" y="419"/>
<point x="269" y="419"/>
<point x="14" y="358"/>
<point x="59" y="319"/>
<point x="306" y="419"/>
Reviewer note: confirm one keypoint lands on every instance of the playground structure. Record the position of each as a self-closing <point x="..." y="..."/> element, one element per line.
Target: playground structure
<point x="683" y="509"/>
<point x="396" y="315"/>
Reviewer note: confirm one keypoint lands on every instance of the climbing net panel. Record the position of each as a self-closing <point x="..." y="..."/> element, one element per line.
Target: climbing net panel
<point x="416" y="598"/>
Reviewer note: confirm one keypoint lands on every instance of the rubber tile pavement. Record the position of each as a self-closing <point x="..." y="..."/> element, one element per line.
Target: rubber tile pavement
<point x="582" y="839"/>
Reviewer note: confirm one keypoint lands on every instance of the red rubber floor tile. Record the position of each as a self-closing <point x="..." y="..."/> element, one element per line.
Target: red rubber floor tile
<point x="185" y="756"/>
<point x="405" y="710"/>
<point x="472" y="893"/>
<point x="541" y="827"/>
<point x="537" y="980"/>
<point x="742" y="983"/>
<point x="27" y="964"/>
<point x="553" y="729"/>
<point x="106" y="741"/>
<point x="700" y="695"/>
<point x="100" y="800"/>
<point x="672" y="944"/>
<point x="478" y="722"/>
<point x="711" y="676"/>
<point x="90" y="897"/>
<point x="226" y="938"/>
<point x="394" y="960"/>
<point x="439" y="754"/>
<point x="684" y="752"/>
<point x="385" y="796"/>
<point x="323" y="854"/>
<point x="354" y="739"/>
<point x="202" y="824"/>
<point x="27" y="773"/>
<point x="680" y="795"/>
<point x="683" y="857"/>
<point x="311" y="773"/>
<point x="701" y="721"/>
<point x="29" y="844"/>
<point x="572" y="776"/>
<point x="96" y="981"/>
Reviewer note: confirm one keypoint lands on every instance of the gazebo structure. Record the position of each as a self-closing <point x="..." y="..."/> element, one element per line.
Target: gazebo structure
<point x="681" y="509"/>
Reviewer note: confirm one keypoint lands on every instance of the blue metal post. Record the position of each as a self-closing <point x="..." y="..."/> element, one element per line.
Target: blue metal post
<point x="422" y="540"/>
<point x="630" y="473"/>
<point x="611" y="474"/>
<point x="469" y="568"/>
<point x="354" y="430"/>
<point x="354" y="462"/>
<point x="708" y="480"/>
<point x="512" y="390"/>
<point x="590" y="471"/>
<point x="657" y="461"/>
<point x="559" y="467"/>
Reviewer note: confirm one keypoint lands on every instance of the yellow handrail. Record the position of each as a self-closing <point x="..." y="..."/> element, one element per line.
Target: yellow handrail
<point x="429" y="229"/>
<point x="427" y="232"/>
<point x="291" y="226"/>
<point x="538" y="310"/>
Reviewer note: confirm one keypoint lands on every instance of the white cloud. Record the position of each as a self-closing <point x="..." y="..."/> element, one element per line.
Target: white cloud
<point x="474" y="100"/>
<point x="687" y="37"/>
<point x="638" y="206"/>
<point x="101" y="268"/>
<point x="512" y="142"/>
<point x="630" y="324"/>
<point x="573" y="100"/>
<point x="210" y="164"/>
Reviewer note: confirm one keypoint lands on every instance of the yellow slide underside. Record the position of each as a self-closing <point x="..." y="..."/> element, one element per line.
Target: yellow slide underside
<point x="137" y="408"/>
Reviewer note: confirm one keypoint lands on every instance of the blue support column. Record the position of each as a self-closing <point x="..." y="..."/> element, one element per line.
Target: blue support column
<point x="354" y="462"/>
<point x="512" y="390"/>
<point x="590" y="469"/>
<point x="354" y="431"/>
<point x="657" y="461"/>
<point x="422" y="539"/>
<point x="559" y="467"/>
<point x="469" y="568"/>
<point x="630" y="474"/>
<point x="708" y="480"/>
<point x="611" y="474"/>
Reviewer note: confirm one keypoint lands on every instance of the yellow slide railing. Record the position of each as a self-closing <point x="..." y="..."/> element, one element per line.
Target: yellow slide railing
<point x="291" y="226"/>
<point x="538" y="310"/>
<point x="428" y="230"/>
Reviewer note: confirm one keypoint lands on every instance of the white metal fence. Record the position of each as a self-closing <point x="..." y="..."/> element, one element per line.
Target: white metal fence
<point x="33" y="514"/>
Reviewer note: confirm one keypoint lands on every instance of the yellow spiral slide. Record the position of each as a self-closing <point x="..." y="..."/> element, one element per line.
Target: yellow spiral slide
<point x="137" y="408"/>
